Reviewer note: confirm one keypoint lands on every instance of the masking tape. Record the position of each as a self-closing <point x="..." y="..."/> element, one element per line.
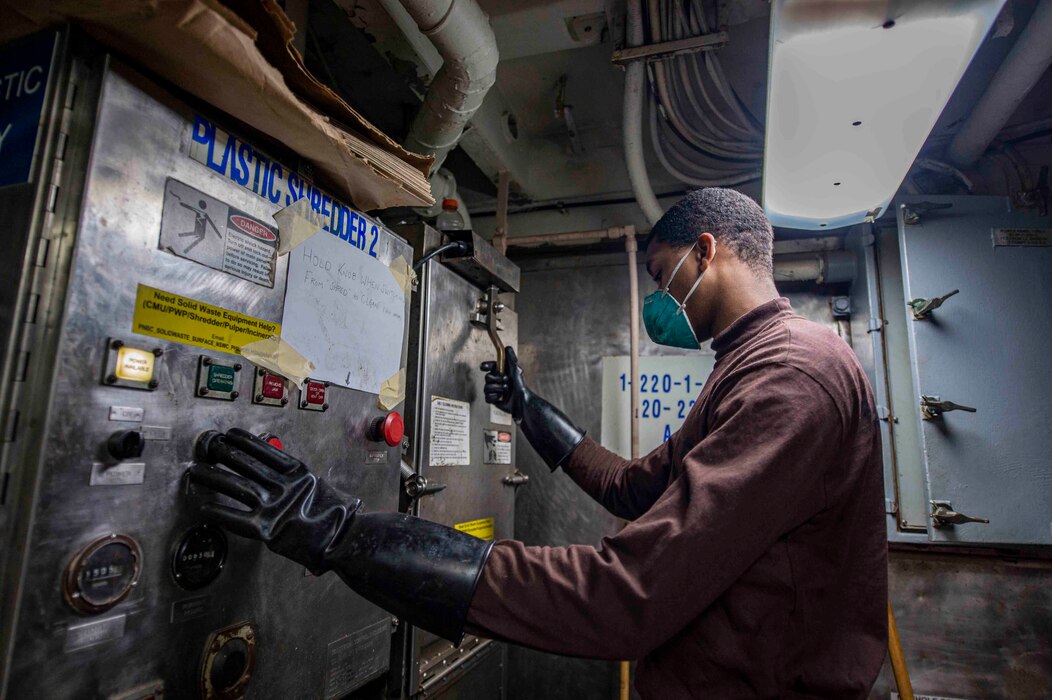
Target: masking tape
<point x="403" y="273"/>
<point x="296" y="223"/>
<point x="392" y="391"/>
<point x="276" y="355"/>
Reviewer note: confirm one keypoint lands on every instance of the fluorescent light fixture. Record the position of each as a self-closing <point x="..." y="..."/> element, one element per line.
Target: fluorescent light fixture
<point x="854" y="88"/>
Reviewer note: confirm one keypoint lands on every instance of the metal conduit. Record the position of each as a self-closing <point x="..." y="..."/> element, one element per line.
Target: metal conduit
<point x="461" y="33"/>
<point x="1021" y="69"/>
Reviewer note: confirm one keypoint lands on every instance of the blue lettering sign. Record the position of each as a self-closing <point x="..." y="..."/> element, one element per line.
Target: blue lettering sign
<point x="24" y="69"/>
<point x="241" y="163"/>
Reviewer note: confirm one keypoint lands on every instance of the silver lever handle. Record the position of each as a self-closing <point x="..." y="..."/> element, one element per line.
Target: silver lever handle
<point x="923" y="307"/>
<point x="933" y="407"/>
<point x="943" y="515"/>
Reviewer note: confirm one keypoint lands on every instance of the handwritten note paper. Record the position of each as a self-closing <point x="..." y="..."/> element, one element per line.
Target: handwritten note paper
<point x="345" y="312"/>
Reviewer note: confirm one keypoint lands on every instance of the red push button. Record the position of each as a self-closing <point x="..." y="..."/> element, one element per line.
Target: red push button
<point x="273" y="386"/>
<point x="315" y="393"/>
<point x="272" y="439"/>
<point x="390" y="429"/>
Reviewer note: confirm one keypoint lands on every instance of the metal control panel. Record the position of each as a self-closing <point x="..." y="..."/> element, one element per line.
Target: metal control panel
<point x="112" y="585"/>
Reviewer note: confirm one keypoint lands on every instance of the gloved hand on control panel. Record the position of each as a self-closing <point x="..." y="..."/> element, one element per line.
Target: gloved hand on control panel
<point x="546" y="428"/>
<point x="421" y="571"/>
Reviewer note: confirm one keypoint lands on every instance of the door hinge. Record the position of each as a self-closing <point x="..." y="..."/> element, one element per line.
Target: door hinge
<point x="10" y="426"/>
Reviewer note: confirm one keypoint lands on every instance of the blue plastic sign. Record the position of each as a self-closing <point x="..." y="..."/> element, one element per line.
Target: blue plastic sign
<point x="24" y="69"/>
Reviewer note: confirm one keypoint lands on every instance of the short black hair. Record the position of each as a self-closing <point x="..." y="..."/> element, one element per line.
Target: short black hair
<point x="736" y="221"/>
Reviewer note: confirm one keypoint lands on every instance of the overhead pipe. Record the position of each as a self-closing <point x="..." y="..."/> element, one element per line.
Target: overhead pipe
<point x="461" y="33"/>
<point x="1021" y="69"/>
<point x="822" y="266"/>
<point x="635" y="89"/>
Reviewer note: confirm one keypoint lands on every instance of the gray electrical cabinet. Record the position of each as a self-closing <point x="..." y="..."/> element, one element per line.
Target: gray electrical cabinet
<point x="462" y="446"/>
<point x="113" y="361"/>
<point x="977" y="277"/>
<point x="952" y="303"/>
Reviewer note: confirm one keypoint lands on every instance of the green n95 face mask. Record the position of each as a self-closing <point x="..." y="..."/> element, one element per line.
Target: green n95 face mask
<point x="666" y="319"/>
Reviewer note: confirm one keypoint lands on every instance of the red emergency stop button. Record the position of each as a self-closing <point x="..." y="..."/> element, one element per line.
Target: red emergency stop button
<point x="272" y="439"/>
<point x="389" y="429"/>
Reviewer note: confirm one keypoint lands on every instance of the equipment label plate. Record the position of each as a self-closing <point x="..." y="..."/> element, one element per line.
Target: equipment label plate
<point x="1023" y="237"/>
<point x="450" y="432"/>
<point x="190" y="608"/>
<point x="121" y="474"/>
<point x="354" y="659"/>
<point x="201" y="228"/>
<point x="481" y="528"/>
<point x="497" y="449"/>
<point x="184" y="320"/>
<point x="498" y="416"/>
<point x="95" y="632"/>
<point x="156" y="432"/>
<point x="132" y="414"/>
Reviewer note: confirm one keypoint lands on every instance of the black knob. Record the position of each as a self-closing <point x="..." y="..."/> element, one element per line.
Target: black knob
<point x="126" y="444"/>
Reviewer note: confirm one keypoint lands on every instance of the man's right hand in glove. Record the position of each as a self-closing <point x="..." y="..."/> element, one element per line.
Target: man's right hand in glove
<point x="546" y="428"/>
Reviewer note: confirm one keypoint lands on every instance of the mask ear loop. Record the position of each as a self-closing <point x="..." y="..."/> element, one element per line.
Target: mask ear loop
<point x="696" y="283"/>
<point x="682" y="260"/>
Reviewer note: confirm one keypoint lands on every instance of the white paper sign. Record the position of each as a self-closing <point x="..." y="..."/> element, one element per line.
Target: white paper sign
<point x="450" y="432"/>
<point x="668" y="388"/>
<point x="344" y="312"/>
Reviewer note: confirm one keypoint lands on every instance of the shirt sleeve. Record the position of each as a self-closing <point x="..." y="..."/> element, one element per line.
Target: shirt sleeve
<point x="758" y="474"/>
<point x="626" y="488"/>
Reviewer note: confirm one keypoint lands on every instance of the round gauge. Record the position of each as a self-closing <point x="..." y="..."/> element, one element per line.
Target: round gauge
<point x="103" y="573"/>
<point x="199" y="557"/>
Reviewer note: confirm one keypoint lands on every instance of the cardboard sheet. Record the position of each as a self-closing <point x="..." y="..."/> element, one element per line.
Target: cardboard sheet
<point x="227" y="69"/>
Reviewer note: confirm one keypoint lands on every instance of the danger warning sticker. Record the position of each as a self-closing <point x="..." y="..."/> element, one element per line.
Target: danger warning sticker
<point x="482" y="529"/>
<point x="203" y="229"/>
<point x="164" y="315"/>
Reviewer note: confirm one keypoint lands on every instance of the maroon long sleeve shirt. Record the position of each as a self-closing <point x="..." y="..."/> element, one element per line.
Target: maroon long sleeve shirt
<point x="755" y="562"/>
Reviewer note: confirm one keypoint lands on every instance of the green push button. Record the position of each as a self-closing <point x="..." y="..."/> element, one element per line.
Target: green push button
<point x="220" y="378"/>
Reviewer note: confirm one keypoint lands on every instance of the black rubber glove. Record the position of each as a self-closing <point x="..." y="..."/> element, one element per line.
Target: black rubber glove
<point x="546" y="428"/>
<point x="421" y="571"/>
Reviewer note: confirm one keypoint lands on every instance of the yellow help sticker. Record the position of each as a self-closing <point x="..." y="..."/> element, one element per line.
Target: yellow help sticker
<point x="172" y="317"/>
<point x="482" y="529"/>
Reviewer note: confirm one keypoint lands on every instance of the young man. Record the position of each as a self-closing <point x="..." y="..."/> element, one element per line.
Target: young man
<point x="754" y="565"/>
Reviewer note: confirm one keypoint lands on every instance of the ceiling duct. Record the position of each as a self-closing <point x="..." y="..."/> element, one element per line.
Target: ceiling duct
<point x="461" y="33"/>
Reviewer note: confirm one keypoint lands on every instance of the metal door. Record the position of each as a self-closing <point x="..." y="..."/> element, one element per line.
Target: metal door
<point x="984" y="348"/>
<point x="450" y="350"/>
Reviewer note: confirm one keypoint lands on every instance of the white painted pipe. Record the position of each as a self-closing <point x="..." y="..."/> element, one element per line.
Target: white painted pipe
<point x="822" y="266"/>
<point x="635" y="90"/>
<point x="461" y="33"/>
<point x="1021" y="69"/>
<point x="631" y="246"/>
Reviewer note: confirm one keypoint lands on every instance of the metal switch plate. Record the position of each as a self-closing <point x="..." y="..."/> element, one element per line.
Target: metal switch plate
<point x="269" y="389"/>
<point x="314" y="396"/>
<point x="131" y="367"/>
<point x="217" y="380"/>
